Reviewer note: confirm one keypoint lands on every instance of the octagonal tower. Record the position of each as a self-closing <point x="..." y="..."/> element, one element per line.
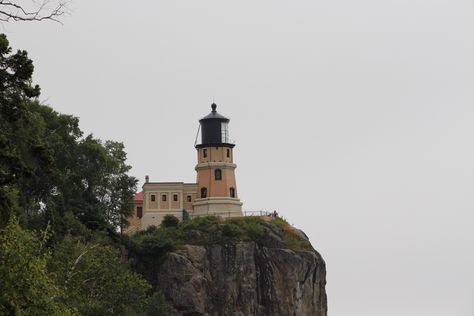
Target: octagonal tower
<point x="217" y="188"/>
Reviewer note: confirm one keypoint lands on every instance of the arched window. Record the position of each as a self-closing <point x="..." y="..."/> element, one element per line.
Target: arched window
<point x="232" y="192"/>
<point x="218" y="174"/>
<point x="203" y="193"/>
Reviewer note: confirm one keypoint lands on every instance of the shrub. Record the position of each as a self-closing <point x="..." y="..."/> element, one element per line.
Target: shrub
<point x="231" y="231"/>
<point x="249" y="228"/>
<point x="170" y="221"/>
<point x="203" y="223"/>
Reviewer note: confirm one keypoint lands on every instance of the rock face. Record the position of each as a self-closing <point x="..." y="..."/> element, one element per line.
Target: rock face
<point x="244" y="278"/>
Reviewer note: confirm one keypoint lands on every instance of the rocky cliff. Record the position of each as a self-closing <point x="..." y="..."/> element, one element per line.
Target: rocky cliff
<point x="258" y="277"/>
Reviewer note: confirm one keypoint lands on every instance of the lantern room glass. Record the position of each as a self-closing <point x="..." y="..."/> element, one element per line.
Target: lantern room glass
<point x="225" y="132"/>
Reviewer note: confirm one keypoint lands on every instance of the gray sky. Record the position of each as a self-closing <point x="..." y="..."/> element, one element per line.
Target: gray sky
<point x="353" y="119"/>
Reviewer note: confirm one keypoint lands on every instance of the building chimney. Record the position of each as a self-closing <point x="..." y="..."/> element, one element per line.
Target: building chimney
<point x="147" y="179"/>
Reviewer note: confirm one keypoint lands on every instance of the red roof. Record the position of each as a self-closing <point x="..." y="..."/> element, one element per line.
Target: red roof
<point x="138" y="198"/>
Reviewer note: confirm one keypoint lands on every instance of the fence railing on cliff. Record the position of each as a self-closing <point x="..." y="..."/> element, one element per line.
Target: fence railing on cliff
<point x="231" y="214"/>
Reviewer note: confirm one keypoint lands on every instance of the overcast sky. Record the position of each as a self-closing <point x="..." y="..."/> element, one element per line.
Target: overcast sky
<point x="353" y="119"/>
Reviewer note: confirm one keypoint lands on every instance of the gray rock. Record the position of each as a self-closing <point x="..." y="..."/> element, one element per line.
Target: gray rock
<point x="246" y="278"/>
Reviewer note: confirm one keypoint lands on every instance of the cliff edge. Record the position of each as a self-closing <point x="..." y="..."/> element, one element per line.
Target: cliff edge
<point x="275" y="272"/>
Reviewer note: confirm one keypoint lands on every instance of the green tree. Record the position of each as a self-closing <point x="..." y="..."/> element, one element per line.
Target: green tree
<point x="95" y="281"/>
<point x="21" y="150"/>
<point x="47" y="167"/>
<point x="106" y="188"/>
<point x="26" y="287"/>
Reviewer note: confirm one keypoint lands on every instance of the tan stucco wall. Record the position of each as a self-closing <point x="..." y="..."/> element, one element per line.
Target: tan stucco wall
<point x="218" y="200"/>
<point x="164" y="204"/>
<point x="150" y="203"/>
<point x="215" y="154"/>
<point x="215" y="188"/>
<point x="189" y="205"/>
<point x="154" y="212"/>
<point x="225" y="207"/>
<point x="176" y="205"/>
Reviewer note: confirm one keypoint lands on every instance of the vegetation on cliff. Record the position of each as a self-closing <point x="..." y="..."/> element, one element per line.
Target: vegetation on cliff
<point x="214" y="230"/>
<point x="149" y="247"/>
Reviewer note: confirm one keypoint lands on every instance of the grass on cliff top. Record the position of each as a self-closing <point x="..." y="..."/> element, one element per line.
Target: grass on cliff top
<point x="208" y="230"/>
<point x="289" y="235"/>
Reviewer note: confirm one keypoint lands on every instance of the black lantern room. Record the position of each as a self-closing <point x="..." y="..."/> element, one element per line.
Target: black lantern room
<point x="214" y="130"/>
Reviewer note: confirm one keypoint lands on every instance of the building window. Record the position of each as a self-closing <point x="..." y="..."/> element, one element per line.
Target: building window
<point x="175" y="197"/>
<point x="203" y="193"/>
<point x="139" y="212"/>
<point x="152" y="198"/>
<point x="204" y="153"/>
<point x="163" y="197"/>
<point x="228" y="153"/>
<point x="188" y="198"/>
<point x="232" y="192"/>
<point x="218" y="174"/>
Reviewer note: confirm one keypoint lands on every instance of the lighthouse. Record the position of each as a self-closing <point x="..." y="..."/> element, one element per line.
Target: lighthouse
<point x="217" y="187"/>
<point x="214" y="193"/>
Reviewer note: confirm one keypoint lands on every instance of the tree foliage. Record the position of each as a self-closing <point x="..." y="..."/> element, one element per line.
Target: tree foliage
<point x="94" y="280"/>
<point x="76" y="186"/>
<point x="20" y="148"/>
<point x="26" y="287"/>
<point x="47" y="167"/>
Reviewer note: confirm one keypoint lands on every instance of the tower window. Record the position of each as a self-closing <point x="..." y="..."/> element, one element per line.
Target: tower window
<point x="232" y="192"/>
<point x="175" y="197"/>
<point x="203" y="192"/>
<point x="218" y="174"/>
<point x="163" y="197"/>
<point x="139" y="212"/>
<point x="152" y="198"/>
<point x="188" y="198"/>
<point x="204" y="153"/>
<point x="228" y="153"/>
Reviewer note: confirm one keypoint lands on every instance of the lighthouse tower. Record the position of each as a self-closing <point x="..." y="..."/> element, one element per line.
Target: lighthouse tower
<point x="217" y="188"/>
